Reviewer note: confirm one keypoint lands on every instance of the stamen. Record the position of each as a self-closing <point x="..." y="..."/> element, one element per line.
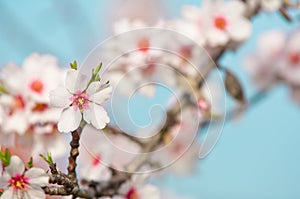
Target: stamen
<point x="132" y="194"/>
<point x="220" y="23"/>
<point x="37" y="86"/>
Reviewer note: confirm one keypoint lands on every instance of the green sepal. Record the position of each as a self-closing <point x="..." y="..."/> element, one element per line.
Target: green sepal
<point x="5" y="157"/>
<point x="74" y="65"/>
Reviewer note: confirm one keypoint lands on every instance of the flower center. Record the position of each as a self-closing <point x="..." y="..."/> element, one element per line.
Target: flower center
<point x="36" y="86"/>
<point x="18" y="182"/>
<point x="80" y="101"/>
<point x="132" y="194"/>
<point x="149" y="69"/>
<point x="177" y="148"/>
<point x="143" y="44"/>
<point x="19" y="102"/>
<point x="185" y="52"/>
<point x="203" y="105"/>
<point x="220" y="23"/>
<point x="294" y="58"/>
<point x="96" y="160"/>
<point x="40" y="107"/>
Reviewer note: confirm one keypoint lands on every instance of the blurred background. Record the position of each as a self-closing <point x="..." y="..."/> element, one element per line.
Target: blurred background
<point x="257" y="155"/>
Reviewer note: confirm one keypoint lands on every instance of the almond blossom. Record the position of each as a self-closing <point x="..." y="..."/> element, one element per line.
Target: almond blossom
<point x="277" y="61"/>
<point x="263" y="66"/>
<point x="266" y="5"/>
<point x="179" y="152"/>
<point x="290" y="66"/>
<point x="26" y="103"/>
<point x="21" y="184"/>
<point x="221" y="21"/>
<point x="80" y="99"/>
<point x="139" y="63"/>
<point x="27" y="100"/>
<point x="93" y="161"/>
<point x="137" y="189"/>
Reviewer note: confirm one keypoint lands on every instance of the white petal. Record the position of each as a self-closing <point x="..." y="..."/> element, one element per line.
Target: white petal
<point x="96" y="173"/>
<point x="96" y="115"/>
<point x="98" y="92"/>
<point x="60" y="97"/>
<point x="240" y="29"/>
<point x="190" y="12"/>
<point x="75" y="81"/>
<point x="37" y="176"/>
<point x="16" y="166"/>
<point x="57" y="145"/>
<point x="271" y="43"/>
<point x="234" y="7"/>
<point x="35" y="193"/>
<point x="69" y="120"/>
<point x="20" y="118"/>
<point x="4" y="178"/>
<point x="271" y="5"/>
<point x="8" y="194"/>
<point x="216" y="37"/>
<point x="149" y="192"/>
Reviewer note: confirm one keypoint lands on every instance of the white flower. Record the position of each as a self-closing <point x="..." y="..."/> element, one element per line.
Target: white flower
<point x="271" y="5"/>
<point x="54" y="143"/>
<point x="26" y="105"/>
<point x="80" y="102"/>
<point x="22" y="185"/>
<point x="290" y="66"/>
<point x="136" y="189"/>
<point x="94" y="157"/>
<point x="125" y="25"/>
<point x="42" y="74"/>
<point x="221" y="21"/>
<point x="266" y="5"/>
<point x="114" y="151"/>
<point x="179" y="149"/>
<point x="263" y="66"/>
<point x="16" y="114"/>
<point x="188" y="28"/>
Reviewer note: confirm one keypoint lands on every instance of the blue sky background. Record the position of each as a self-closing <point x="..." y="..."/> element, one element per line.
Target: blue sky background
<point x="257" y="157"/>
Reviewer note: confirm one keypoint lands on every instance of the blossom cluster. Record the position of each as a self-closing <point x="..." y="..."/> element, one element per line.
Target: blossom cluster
<point x="40" y="106"/>
<point x="276" y="60"/>
<point x="28" y="121"/>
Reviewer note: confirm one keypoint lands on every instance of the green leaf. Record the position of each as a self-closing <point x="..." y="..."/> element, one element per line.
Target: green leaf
<point x="95" y="76"/>
<point x="5" y="157"/>
<point x="74" y="65"/>
<point x="98" y="69"/>
<point x="30" y="163"/>
<point x="47" y="159"/>
<point x="1" y="193"/>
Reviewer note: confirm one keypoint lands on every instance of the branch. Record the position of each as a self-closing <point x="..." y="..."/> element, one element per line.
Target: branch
<point x="74" y="152"/>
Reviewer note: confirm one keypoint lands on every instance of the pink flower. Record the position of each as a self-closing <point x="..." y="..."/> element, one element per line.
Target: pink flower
<point x="266" y="5"/>
<point x="22" y="184"/>
<point x="136" y="189"/>
<point x="220" y="21"/>
<point x="290" y="66"/>
<point x="80" y="102"/>
<point x="94" y="159"/>
<point x="264" y="65"/>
